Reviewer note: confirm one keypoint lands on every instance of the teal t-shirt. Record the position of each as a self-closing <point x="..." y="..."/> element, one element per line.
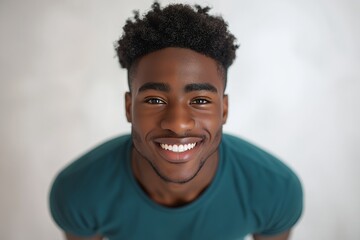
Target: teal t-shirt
<point x="252" y="192"/>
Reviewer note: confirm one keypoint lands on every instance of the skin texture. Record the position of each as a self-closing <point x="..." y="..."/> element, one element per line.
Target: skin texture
<point x="176" y="97"/>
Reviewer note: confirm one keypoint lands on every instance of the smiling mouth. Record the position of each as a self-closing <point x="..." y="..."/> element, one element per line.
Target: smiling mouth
<point x="178" y="148"/>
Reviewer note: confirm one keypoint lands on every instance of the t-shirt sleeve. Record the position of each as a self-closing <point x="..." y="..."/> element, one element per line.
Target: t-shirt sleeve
<point x="68" y="208"/>
<point x="287" y="208"/>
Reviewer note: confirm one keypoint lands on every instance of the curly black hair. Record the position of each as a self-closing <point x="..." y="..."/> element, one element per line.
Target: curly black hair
<point x="176" y="25"/>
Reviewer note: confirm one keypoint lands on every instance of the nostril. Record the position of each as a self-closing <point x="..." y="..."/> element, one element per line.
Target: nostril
<point x="178" y="124"/>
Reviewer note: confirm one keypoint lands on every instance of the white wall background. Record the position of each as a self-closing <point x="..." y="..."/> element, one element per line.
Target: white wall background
<point x="293" y="89"/>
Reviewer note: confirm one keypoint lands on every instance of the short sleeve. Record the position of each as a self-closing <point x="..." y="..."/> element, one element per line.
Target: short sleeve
<point x="68" y="208"/>
<point x="287" y="208"/>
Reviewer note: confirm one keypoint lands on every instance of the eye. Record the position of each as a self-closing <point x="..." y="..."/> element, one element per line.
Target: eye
<point x="200" y="101"/>
<point x="154" y="101"/>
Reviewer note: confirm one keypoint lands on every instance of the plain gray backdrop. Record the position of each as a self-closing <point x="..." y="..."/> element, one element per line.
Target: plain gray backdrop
<point x="294" y="90"/>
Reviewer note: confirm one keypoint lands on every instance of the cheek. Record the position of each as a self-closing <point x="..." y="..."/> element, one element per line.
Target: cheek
<point x="211" y="120"/>
<point x="136" y="137"/>
<point x="144" y="120"/>
<point x="139" y="141"/>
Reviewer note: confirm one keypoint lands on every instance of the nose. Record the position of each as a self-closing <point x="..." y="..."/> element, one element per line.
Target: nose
<point x="178" y="119"/>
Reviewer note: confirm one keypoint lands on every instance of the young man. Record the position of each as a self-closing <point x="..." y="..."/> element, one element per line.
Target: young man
<point x="177" y="176"/>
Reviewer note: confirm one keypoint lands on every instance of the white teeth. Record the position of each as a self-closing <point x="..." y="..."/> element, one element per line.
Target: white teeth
<point x="178" y="148"/>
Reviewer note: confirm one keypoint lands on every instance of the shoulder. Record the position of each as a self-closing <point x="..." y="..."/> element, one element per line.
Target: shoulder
<point x="272" y="187"/>
<point x="89" y="167"/>
<point x="97" y="156"/>
<point x="79" y="188"/>
<point x="254" y="159"/>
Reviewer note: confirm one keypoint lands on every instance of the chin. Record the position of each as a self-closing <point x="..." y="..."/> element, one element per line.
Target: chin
<point x="180" y="178"/>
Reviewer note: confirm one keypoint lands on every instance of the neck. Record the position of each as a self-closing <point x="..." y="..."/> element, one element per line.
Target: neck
<point x="168" y="193"/>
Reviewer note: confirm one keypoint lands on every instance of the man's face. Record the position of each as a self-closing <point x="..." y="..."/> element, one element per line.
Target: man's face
<point x="177" y="108"/>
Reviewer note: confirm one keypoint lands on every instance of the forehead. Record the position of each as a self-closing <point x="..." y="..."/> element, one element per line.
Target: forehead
<point x="177" y="66"/>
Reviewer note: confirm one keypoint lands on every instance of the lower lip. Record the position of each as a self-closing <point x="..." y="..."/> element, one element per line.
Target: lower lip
<point x="178" y="157"/>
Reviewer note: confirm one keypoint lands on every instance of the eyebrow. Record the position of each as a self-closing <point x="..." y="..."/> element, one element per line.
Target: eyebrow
<point x="155" y="86"/>
<point x="163" y="87"/>
<point x="200" y="87"/>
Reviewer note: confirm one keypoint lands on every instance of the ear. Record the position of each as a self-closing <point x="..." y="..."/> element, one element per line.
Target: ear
<point x="128" y="103"/>
<point x="225" y="108"/>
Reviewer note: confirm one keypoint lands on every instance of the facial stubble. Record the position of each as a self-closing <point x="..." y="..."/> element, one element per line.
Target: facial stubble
<point x="136" y="136"/>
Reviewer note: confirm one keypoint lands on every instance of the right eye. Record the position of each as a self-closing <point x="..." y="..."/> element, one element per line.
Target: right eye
<point x="154" y="101"/>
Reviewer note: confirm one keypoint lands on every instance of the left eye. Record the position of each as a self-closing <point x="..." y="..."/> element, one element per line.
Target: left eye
<point x="154" y="101"/>
<point x="200" y="101"/>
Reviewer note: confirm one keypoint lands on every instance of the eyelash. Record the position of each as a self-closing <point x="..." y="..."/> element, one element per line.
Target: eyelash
<point x="200" y="101"/>
<point x="154" y="101"/>
<point x="196" y="101"/>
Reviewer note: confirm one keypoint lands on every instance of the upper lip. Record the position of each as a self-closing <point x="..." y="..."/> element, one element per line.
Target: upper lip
<point x="177" y="140"/>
